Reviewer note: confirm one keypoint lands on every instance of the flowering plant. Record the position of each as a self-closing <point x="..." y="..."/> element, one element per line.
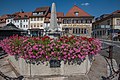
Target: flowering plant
<point x="41" y="49"/>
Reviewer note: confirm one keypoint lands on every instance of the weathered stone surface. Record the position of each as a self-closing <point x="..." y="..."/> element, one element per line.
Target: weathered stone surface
<point x="98" y="68"/>
<point x="6" y="69"/>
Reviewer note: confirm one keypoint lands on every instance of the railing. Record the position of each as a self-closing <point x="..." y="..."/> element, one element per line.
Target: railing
<point x="10" y="78"/>
<point x="7" y="77"/>
<point x="116" y="72"/>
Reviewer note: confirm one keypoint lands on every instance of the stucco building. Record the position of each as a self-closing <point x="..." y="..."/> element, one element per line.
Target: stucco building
<point x="77" y="22"/>
<point x="106" y="25"/>
<point x="21" y="20"/>
<point x="37" y="20"/>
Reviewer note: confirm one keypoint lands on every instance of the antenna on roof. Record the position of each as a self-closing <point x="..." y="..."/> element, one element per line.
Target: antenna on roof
<point x="22" y="10"/>
<point x="74" y="3"/>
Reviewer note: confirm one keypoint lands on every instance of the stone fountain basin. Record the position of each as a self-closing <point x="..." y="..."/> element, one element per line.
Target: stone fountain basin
<point x="26" y="69"/>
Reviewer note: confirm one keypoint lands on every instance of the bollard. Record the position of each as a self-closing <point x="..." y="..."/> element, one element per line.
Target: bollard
<point x="119" y="73"/>
<point x="110" y="52"/>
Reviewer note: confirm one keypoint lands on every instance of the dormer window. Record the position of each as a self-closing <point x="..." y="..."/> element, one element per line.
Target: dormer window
<point x="19" y="16"/>
<point x="25" y="16"/>
<point x="76" y="13"/>
<point x="119" y="12"/>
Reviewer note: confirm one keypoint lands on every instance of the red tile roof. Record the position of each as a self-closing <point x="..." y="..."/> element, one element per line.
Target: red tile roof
<point x="71" y="12"/>
<point x="59" y="14"/>
<point x="3" y="18"/>
<point x="116" y="12"/>
<point x="23" y="15"/>
<point x="42" y="9"/>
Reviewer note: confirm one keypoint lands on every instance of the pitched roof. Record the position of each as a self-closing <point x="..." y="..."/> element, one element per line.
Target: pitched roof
<point x="45" y="10"/>
<point x="71" y="12"/>
<point x="42" y="9"/>
<point x="10" y="26"/>
<point x="3" y="18"/>
<point x="59" y="14"/>
<point x="107" y="16"/>
<point x="116" y="12"/>
<point x="23" y="15"/>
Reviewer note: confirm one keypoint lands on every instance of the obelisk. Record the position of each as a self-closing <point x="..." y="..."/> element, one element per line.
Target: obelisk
<point x="53" y="20"/>
<point x="54" y="30"/>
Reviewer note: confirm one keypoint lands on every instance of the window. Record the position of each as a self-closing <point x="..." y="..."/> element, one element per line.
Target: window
<point x="37" y="24"/>
<point x="82" y="31"/>
<point x="73" y="30"/>
<point x="64" y="21"/>
<point x="19" y="16"/>
<point x="34" y="25"/>
<point x="81" y="21"/>
<point x="75" y="21"/>
<point x="79" y="30"/>
<point x="76" y="13"/>
<point x="41" y="25"/>
<point x="31" y="26"/>
<point x="84" y="21"/>
<point x="85" y="31"/>
<point x="8" y="20"/>
<point x="69" y="21"/>
<point x="31" y="19"/>
<point x="118" y="22"/>
<point x="76" y="30"/>
<point x="37" y="19"/>
<point x="25" y="16"/>
<point x="24" y="26"/>
<point x="41" y="19"/>
<point x="108" y="22"/>
<point x="34" y="19"/>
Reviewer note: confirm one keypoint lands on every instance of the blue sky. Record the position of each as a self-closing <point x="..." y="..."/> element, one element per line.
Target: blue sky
<point x="93" y="7"/>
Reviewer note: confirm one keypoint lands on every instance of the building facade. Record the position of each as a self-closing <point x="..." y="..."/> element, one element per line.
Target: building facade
<point x="77" y="22"/>
<point x="106" y="25"/>
<point x="22" y="20"/>
<point x="37" y="21"/>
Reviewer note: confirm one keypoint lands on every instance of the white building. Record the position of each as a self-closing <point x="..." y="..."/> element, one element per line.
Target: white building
<point x="22" y="20"/>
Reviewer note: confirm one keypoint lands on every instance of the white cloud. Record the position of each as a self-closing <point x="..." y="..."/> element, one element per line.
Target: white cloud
<point x="85" y="4"/>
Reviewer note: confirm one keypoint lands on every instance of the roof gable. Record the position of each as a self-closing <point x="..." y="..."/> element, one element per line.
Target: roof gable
<point x="10" y="26"/>
<point x="116" y="12"/>
<point x="74" y="9"/>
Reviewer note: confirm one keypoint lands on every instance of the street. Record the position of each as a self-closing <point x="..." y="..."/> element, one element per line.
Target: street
<point x="116" y="49"/>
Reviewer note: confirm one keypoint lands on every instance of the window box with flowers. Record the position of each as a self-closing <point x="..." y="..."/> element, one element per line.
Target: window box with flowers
<point x="71" y="52"/>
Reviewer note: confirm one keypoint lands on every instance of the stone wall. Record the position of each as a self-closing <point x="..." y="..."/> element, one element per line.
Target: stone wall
<point x="41" y="69"/>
